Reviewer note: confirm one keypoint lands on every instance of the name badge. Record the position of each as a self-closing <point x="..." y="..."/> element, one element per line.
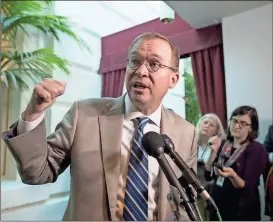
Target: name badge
<point x="220" y="181"/>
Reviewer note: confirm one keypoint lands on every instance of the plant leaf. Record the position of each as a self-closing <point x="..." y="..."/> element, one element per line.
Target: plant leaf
<point x="16" y="66"/>
<point x="48" y="24"/>
<point x="35" y="65"/>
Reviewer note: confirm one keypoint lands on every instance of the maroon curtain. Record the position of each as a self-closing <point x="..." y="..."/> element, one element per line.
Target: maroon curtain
<point x="209" y="77"/>
<point x="112" y="83"/>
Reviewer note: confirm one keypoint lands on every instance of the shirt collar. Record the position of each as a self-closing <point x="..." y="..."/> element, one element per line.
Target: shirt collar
<point x="131" y="112"/>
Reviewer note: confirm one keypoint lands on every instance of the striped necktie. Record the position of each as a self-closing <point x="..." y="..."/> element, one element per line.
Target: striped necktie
<point x="136" y="194"/>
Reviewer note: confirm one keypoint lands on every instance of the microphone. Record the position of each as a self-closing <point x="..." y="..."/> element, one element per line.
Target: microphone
<point x="154" y="146"/>
<point x="187" y="173"/>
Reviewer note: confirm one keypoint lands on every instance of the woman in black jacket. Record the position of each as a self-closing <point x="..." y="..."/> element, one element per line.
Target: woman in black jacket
<point x="235" y="186"/>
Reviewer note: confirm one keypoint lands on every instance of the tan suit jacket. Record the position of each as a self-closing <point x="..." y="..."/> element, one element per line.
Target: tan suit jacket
<point x="89" y="140"/>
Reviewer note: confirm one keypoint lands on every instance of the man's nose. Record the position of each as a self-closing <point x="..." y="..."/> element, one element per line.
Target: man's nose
<point x="142" y="70"/>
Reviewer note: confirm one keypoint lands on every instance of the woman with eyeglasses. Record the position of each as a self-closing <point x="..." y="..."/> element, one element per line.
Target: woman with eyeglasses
<point x="235" y="166"/>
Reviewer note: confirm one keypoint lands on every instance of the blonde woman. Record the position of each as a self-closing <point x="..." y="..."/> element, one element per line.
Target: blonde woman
<point x="207" y="127"/>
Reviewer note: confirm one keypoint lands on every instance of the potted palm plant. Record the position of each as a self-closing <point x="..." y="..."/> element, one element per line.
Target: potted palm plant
<point x="16" y="66"/>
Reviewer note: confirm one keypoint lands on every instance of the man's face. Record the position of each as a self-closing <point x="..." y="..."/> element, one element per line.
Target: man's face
<point x="146" y="89"/>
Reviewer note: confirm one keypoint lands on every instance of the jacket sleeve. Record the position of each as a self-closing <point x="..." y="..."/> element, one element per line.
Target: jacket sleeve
<point x="41" y="159"/>
<point x="254" y="166"/>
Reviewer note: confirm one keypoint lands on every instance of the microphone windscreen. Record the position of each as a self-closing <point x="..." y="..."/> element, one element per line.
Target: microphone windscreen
<point x="152" y="142"/>
<point x="169" y="146"/>
<point x="165" y="137"/>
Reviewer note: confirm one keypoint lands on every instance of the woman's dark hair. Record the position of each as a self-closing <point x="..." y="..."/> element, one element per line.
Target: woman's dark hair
<point x="253" y="115"/>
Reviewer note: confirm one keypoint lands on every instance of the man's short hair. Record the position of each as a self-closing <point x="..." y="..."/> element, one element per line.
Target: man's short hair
<point x="154" y="35"/>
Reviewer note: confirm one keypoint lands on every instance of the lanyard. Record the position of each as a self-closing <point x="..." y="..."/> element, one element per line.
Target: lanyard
<point x="204" y="152"/>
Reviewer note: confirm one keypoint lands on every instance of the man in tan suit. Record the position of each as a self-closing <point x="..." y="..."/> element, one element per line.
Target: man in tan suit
<point x="95" y="138"/>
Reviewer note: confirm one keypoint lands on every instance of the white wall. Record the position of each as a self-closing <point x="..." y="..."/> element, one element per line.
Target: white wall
<point x="247" y="39"/>
<point x="108" y="17"/>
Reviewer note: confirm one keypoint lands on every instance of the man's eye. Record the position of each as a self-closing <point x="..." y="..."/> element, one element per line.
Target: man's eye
<point x="154" y="64"/>
<point x="134" y="61"/>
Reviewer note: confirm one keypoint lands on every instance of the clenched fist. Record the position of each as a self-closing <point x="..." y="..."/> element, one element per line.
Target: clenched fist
<point x="43" y="96"/>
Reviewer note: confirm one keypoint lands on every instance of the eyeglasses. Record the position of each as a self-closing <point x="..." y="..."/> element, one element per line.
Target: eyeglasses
<point x="152" y="66"/>
<point x="241" y="123"/>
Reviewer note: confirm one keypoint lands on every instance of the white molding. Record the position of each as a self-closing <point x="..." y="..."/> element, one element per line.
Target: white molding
<point x="14" y="194"/>
<point x="84" y="67"/>
<point x="85" y="29"/>
<point x="52" y="209"/>
<point x="126" y="18"/>
<point x="175" y="94"/>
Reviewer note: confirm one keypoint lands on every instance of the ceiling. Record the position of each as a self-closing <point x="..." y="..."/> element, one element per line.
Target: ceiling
<point x="108" y="17"/>
<point x="205" y="13"/>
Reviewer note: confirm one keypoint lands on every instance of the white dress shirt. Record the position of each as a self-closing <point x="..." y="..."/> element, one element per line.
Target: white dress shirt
<point x="24" y="126"/>
<point x="130" y="126"/>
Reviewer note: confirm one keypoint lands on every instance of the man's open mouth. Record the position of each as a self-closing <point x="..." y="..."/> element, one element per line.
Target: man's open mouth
<point x="139" y="86"/>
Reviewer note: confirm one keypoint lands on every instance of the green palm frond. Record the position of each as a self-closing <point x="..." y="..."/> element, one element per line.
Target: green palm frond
<point x="43" y="59"/>
<point x="51" y="25"/>
<point x="16" y="78"/>
<point x="35" y="65"/>
<point x="18" y="16"/>
<point x="10" y="8"/>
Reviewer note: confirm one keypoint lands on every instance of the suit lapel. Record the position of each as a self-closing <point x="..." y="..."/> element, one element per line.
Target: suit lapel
<point x="168" y="128"/>
<point x="111" y="125"/>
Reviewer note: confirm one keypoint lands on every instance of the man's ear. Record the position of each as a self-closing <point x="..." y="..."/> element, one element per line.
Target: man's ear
<point x="174" y="79"/>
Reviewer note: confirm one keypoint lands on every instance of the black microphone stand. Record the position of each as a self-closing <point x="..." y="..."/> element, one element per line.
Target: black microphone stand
<point x="188" y="174"/>
<point x="177" y="204"/>
<point x="190" y="191"/>
<point x="180" y="194"/>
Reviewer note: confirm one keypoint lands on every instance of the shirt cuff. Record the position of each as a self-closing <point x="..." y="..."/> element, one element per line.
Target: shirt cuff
<point x="271" y="158"/>
<point x="24" y="126"/>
